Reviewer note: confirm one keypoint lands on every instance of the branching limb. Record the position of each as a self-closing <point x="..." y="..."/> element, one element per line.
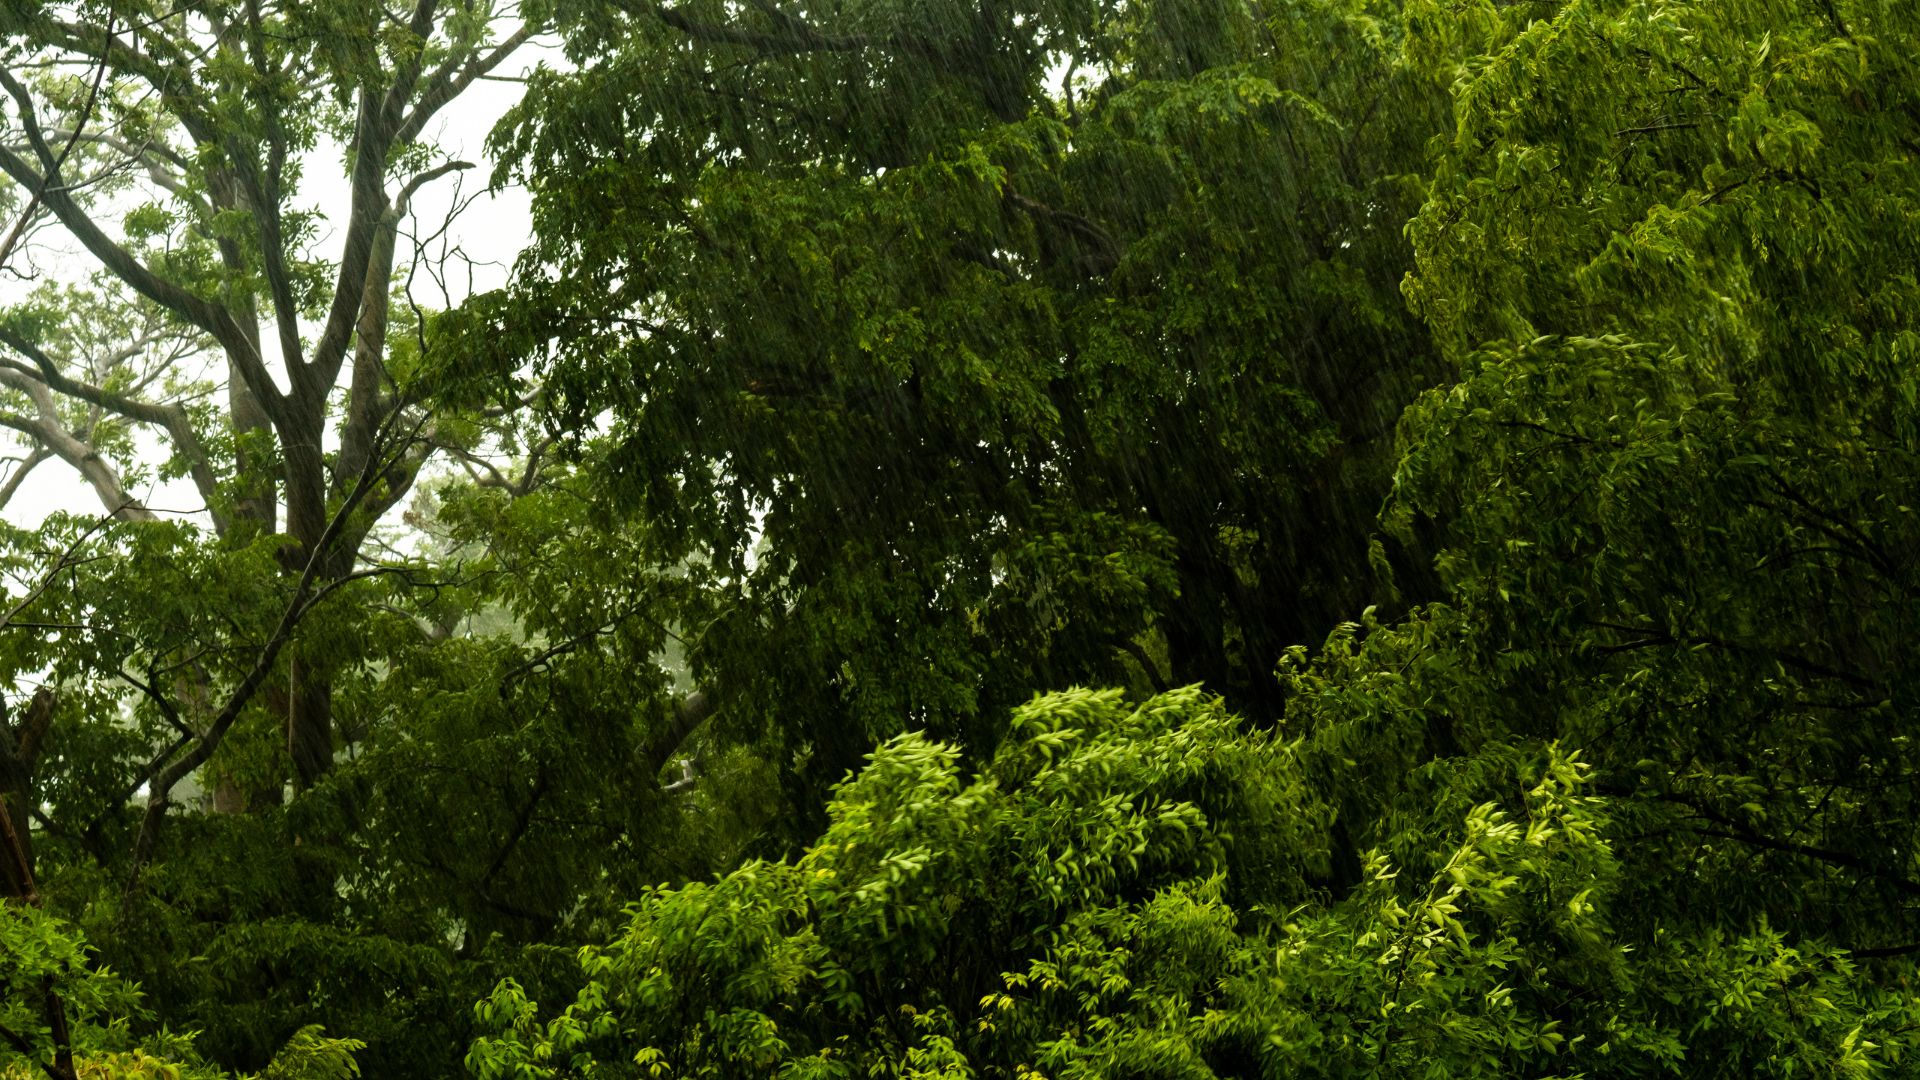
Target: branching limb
<point x="46" y="429"/>
<point x="449" y="83"/>
<point x="171" y="418"/>
<point x="1100" y="252"/>
<point x="1732" y="829"/>
<point x="35" y="457"/>
<point x="123" y="264"/>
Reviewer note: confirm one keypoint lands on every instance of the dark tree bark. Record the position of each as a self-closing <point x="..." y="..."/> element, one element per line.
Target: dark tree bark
<point x="21" y="744"/>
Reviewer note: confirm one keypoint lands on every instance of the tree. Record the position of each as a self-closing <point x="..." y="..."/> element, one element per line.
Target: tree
<point x="879" y="367"/>
<point x="64" y="1016"/>
<point x="202" y="117"/>
<point x="1673" y="476"/>
<point x="175" y="149"/>
<point x="1122" y="892"/>
<point x="1669" y="254"/>
<point x="964" y="379"/>
<point x="502" y="794"/>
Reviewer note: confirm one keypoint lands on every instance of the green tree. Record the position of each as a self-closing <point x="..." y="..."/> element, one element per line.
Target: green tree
<point x="1122" y="892"/>
<point x="977" y="348"/>
<point x="1669" y="255"/>
<point x="65" y="1016"/>
<point x="174" y="151"/>
<point x="168" y="144"/>
<point x="876" y="366"/>
<point x="1675" y="476"/>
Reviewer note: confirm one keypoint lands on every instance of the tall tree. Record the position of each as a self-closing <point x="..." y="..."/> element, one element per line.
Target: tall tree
<point x="984" y="347"/>
<point x="1669" y="253"/>
<point x="178" y="170"/>
<point x="1674" y="475"/>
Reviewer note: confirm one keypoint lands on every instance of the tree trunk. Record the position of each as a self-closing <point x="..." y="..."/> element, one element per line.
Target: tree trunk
<point x="255" y="501"/>
<point x="309" y="718"/>
<point x="309" y="687"/>
<point x="20" y="747"/>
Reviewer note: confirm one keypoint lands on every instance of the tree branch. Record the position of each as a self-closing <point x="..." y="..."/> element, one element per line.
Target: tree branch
<point x="688" y="713"/>
<point x="54" y="163"/>
<point x="1735" y="830"/>
<point x="38" y="455"/>
<point x="521" y="823"/>
<point x="448" y="84"/>
<point x="170" y="418"/>
<point x="50" y="433"/>
<point x="367" y="204"/>
<point x="297" y="607"/>
<point x="366" y="409"/>
<point x="793" y="36"/>
<point x="204" y="314"/>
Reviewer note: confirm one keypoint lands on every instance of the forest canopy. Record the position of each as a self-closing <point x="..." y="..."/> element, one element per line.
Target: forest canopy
<point x="976" y="539"/>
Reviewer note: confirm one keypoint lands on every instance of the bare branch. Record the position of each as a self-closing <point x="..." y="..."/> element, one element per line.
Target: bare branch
<point x="47" y="430"/>
<point x="422" y="179"/>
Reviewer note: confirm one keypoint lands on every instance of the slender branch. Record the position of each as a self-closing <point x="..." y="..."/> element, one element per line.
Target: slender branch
<point x="1102" y="253"/>
<point x="1885" y="951"/>
<point x="530" y="473"/>
<point x="545" y="656"/>
<point x="367" y="406"/>
<point x="367" y="203"/>
<point x="265" y="192"/>
<point x="469" y="461"/>
<point x="448" y="85"/>
<point x="1732" y="829"/>
<point x="521" y="823"/>
<point x="420" y="25"/>
<point x="1564" y="436"/>
<point x="145" y="777"/>
<point x="1838" y="527"/>
<point x="153" y="694"/>
<point x="60" y="566"/>
<point x="1646" y="129"/>
<point x="1653" y="636"/>
<point x="33" y="460"/>
<point x="53" y="165"/>
<point x="420" y="180"/>
<point x="1837" y="858"/>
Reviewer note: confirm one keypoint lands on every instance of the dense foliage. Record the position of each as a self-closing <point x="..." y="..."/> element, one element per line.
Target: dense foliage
<point x="972" y="384"/>
<point x="1122" y="892"/>
<point x="1475" y="445"/>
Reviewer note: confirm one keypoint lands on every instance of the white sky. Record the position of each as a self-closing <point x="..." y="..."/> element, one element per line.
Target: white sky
<point x="485" y="239"/>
